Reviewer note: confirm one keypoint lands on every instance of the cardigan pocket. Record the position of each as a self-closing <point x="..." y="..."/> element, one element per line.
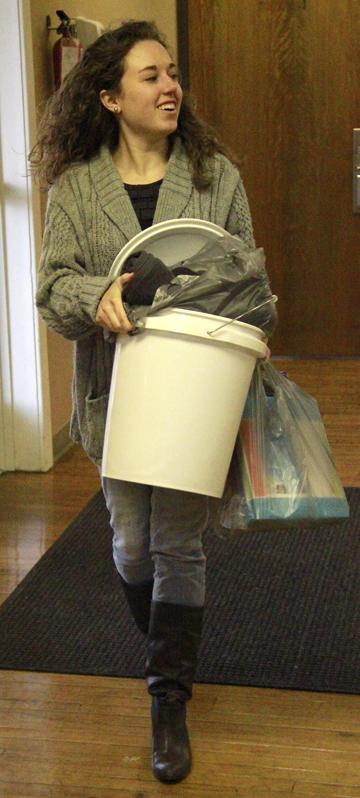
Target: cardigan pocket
<point x="94" y="425"/>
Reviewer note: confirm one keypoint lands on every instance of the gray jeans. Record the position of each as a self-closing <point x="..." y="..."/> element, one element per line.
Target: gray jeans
<point x="158" y="534"/>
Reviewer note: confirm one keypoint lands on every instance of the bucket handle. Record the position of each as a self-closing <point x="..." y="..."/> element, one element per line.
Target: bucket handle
<point x="273" y="298"/>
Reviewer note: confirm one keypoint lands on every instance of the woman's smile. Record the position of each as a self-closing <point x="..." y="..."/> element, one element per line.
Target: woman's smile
<point x="168" y="106"/>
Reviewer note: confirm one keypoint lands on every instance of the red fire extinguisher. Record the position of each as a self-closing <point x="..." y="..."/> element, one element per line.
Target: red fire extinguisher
<point x="67" y="50"/>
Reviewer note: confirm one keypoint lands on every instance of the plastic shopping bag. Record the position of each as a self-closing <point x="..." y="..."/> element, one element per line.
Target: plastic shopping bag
<point x="282" y="472"/>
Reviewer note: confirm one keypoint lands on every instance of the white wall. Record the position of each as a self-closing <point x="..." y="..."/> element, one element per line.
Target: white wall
<point x="25" y="440"/>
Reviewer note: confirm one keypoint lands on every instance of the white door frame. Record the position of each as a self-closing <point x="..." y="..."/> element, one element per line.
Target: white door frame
<point x="25" y="434"/>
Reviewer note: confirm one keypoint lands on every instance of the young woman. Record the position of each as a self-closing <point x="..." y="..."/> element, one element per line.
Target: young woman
<point x="122" y="149"/>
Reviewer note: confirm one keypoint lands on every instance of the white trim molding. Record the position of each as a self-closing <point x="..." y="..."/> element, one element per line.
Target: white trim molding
<point x="25" y="439"/>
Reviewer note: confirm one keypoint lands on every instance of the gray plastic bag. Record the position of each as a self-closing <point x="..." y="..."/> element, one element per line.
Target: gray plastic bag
<point x="224" y="278"/>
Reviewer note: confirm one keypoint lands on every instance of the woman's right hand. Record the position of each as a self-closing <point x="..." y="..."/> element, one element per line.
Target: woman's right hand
<point x="110" y="312"/>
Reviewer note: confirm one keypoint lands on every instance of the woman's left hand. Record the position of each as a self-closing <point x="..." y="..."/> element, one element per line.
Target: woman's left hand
<point x="268" y="351"/>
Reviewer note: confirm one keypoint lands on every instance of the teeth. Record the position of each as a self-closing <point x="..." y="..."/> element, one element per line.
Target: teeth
<point x="167" y="107"/>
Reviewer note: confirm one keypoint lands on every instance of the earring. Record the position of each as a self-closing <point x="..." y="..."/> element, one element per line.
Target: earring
<point x="116" y="109"/>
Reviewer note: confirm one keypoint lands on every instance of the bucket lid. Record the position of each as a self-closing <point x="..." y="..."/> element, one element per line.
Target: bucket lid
<point x="171" y="241"/>
<point x="198" y="325"/>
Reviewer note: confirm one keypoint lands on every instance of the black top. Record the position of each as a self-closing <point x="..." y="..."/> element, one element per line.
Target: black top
<point x="144" y="199"/>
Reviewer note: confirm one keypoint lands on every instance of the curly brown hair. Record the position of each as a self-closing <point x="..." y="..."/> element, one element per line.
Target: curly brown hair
<point x="75" y="123"/>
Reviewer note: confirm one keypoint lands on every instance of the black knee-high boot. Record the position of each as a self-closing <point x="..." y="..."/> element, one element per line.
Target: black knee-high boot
<point x="173" y="643"/>
<point x="139" y="598"/>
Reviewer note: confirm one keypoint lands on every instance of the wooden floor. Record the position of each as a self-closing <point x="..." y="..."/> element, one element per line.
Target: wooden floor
<point x="65" y="736"/>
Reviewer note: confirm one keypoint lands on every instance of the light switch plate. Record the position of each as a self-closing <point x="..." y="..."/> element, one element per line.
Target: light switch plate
<point x="356" y="170"/>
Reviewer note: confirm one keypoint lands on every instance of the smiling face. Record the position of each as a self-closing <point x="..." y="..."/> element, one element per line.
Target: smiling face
<point x="150" y="94"/>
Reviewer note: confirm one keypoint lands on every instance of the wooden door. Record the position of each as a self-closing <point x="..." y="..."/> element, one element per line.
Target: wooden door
<point x="280" y="81"/>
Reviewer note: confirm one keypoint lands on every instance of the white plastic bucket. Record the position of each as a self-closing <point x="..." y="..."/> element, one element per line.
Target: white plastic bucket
<point x="176" y="400"/>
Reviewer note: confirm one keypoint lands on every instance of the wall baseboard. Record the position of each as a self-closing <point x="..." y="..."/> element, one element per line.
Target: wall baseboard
<point x="62" y="441"/>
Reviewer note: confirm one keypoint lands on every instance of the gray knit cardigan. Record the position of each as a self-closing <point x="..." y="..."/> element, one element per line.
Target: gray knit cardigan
<point x="89" y="219"/>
